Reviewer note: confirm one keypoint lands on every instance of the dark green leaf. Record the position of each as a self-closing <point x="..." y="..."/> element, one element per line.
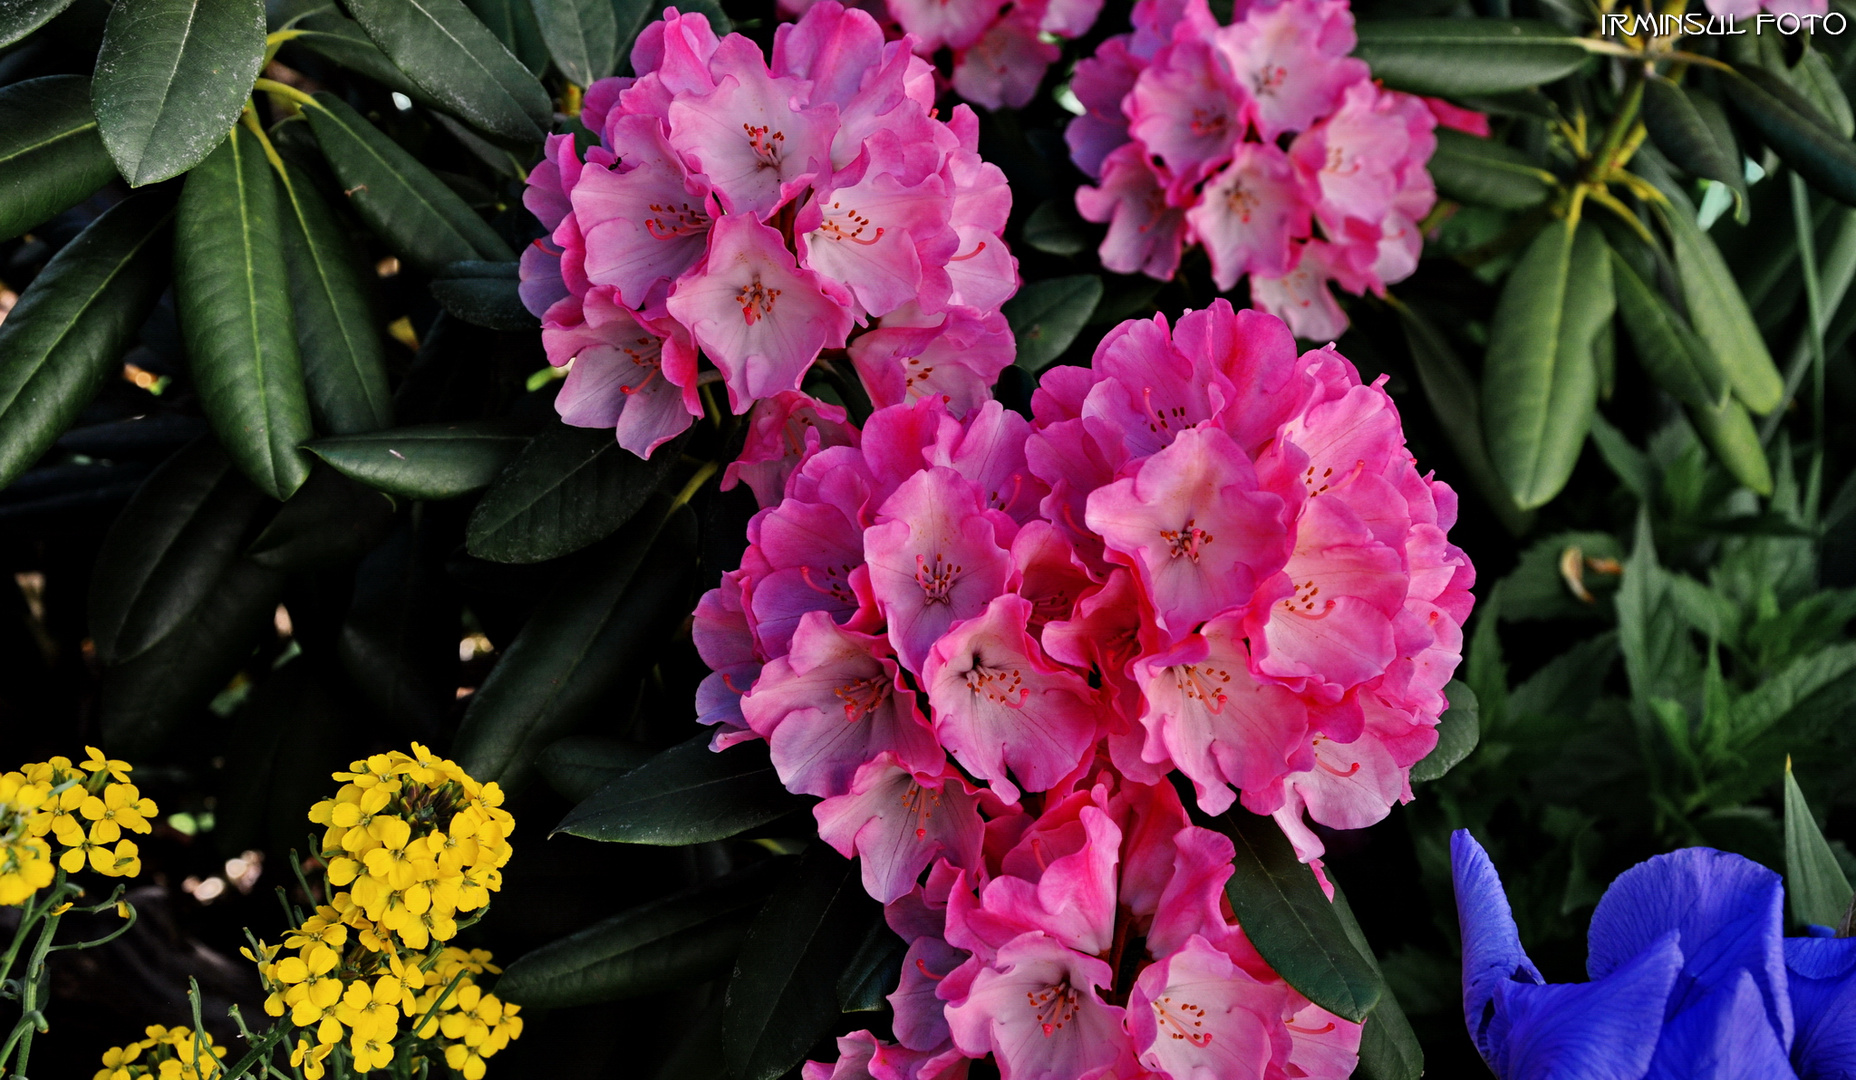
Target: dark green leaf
<point x="1458" y="731"/>
<point x="51" y="157"/>
<point x="442" y="47"/>
<point x="331" y="520"/>
<point x="1539" y="385"/>
<point x="1730" y="433"/>
<point x="1450" y="57"/>
<point x="142" y="703"/>
<point x="1796" y="130"/>
<point x="1769" y="704"/>
<point x="513" y="23"/>
<point x="1630" y="464"/>
<point x="344" y="363"/>
<point x="64" y="337"/>
<point x="582" y="36"/>
<point x="579" y="765"/>
<point x="336" y="37"/>
<point x="21" y="17"/>
<point x="569" y="488"/>
<point x="433" y="461"/>
<point x="873" y="974"/>
<point x="399" y="642"/>
<point x="171" y="78"/>
<point x="1047" y="315"/>
<point x="167" y="550"/>
<point x="291" y="733"/>
<point x="1691" y="131"/>
<point x="675" y="941"/>
<point x="783" y="995"/>
<point x="1675" y="357"/>
<point x="1389" y="1049"/>
<point x="1720" y="312"/>
<point x="578" y="645"/>
<point x="1817" y="82"/>
<point x="480" y="294"/>
<point x="1814" y="882"/>
<point x="1287" y="917"/>
<point x="685" y="795"/>
<point x="1055" y="228"/>
<point x="421" y="220"/>
<point x="232" y="292"/>
<point x="1486" y="173"/>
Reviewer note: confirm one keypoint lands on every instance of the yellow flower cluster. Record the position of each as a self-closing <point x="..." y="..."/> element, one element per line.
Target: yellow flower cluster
<point x="85" y="807"/>
<point x="166" y="1054"/>
<point x="417" y="842"/>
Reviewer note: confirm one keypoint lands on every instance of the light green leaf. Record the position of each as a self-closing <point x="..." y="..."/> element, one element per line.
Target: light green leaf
<point x="1814" y="882"/>
<point x="1730" y="433"/>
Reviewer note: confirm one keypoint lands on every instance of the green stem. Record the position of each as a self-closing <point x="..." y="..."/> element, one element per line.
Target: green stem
<point x="272" y="86"/>
<point x="31" y="1020"/>
<point x="695" y="484"/>
<point x="127" y="922"/>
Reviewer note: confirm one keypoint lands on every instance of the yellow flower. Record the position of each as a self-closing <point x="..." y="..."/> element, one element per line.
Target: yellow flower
<point x="96" y="762"/>
<point x="120" y="807"/>
<point x="464" y="1060"/>
<point x="309" y="1058"/>
<point x="125" y="861"/>
<point x="370" y="1052"/>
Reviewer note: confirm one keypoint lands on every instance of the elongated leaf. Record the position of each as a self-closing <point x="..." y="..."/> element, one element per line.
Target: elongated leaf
<point x="171" y="78"/>
<point x="1816" y="81"/>
<point x="442" y="47"/>
<point x="1047" y="315"/>
<point x="433" y="461"/>
<point x="51" y="157"/>
<point x="484" y="294"/>
<point x="21" y="17"/>
<point x="336" y="37"/>
<point x="399" y="642"/>
<point x="1389" y="1049"/>
<point x="1054" y="227"/>
<point x="569" y="488"/>
<point x="1720" y="312"/>
<point x="1291" y="922"/>
<point x="232" y="292"/>
<point x="579" y="765"/>
<point x="167" y="550"/>
<point x="1730" y="433"/>
<point x="344" y="363"/>
<point x="1814" y="882"/>
<point x="1690" y="130"/>
<point x="1539" y="385"/>
<point x="1676" y="358"/>
<point x="1486" y="173"/>
<point x="72" y="324"/>
<point x="331" y="520"/>
<point x="421" y="219"/>
<point x="582" y="36"/>
<point x="678" y="940"/>
<point x="1452" y="57"/>
<point x="513" y="23"/>
<point x="873" y="973"/>
<point x="1796" y="130"/>
<point x="685" y="795"/>
<point x="580" y="643"/>
<point x="783" y="995"/>
<point x="1458" y="731"/>
<point x="1772" y="701"/>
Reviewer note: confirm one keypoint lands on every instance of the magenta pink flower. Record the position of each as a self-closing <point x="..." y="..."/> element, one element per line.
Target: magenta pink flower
<point x="937" y="557"/>
<point x="1195" y="1015"/>
<point x="782" y="430"/>
<point x="898" y="820"/>
<point x="1037" y="1009"/>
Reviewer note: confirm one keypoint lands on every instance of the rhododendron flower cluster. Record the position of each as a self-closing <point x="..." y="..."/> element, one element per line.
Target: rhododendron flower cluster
<point x="1000" y="49"/>
<point x="1263" y="141"/>
<point x="985" y="642"/>
<point x="760" y="216"/>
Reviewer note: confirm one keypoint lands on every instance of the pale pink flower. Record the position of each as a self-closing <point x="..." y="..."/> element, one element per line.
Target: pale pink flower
<point x="898" y="820"/>
<point x="936" y="557"/>
<point x="1038" y="1010"/>
<point x="1195" y="1015"/>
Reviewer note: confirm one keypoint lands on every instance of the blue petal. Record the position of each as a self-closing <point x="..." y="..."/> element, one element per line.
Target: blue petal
<point x="1823" y="989"/>
<point x="1492" y="953"/>
<point x="1724" y="1036"/>
<point x="1601" y="1030"/>
<point x="1729" y="910"/>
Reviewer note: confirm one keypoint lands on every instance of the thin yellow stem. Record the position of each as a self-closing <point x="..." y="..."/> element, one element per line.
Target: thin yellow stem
<point x="272" y="86"/>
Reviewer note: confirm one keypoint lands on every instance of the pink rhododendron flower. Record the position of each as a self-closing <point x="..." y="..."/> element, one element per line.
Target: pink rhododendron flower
<point x="759" y="215"/>
<point x="1185" y="125"/>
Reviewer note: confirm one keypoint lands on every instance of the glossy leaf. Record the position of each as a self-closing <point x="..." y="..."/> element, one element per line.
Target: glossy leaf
<point x="1291" y="922"/>
<point x="1053" y="227"/>
<point x="1451" y="57"/>
<point x="513" y="23"/>
<point x="1816" y="81"/>
<point x="51" y="157"/>
<point x="1720" y="313"/>
<point x="686" y="795"/>
<point x="678" y="940"/>
<point x="452" y="56"/>
<point x="344" y="362"/>
<point x="1814" y="881"/>
<point x="783" y="995"/>
<point x="232" y="292"/>
<point x="580" y="643"/>
<point x="21" y="17"/>
<point x="569" y="488"/>
<point x="1796" y="130"/>
<point x="1458" y="731"/>
<point x="432" y="461"/>
<point x="1539" y="384"/>
<point x="1047" y="315"/>
<point x="484" y="294"/>
<point x="171" y="78"/>
<point x="167" y="550"/>
<point x="579" y="765"/>
<point x="338" y="38"/>
<point x="421" y="220"/>
<point x="331" y="520"/>
<point x="873" y="973"/>
<point x="1675" y="357"/>
<point x="1487" y="173"/>
<point x="1691" y="131"/>
<point x="1730" y="433"/>
<point x="67" y="333"/>
<point x="582" y="36"/>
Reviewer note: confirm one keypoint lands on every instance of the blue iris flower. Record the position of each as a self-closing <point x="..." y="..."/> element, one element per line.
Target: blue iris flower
<point x="1690" y="979"/>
